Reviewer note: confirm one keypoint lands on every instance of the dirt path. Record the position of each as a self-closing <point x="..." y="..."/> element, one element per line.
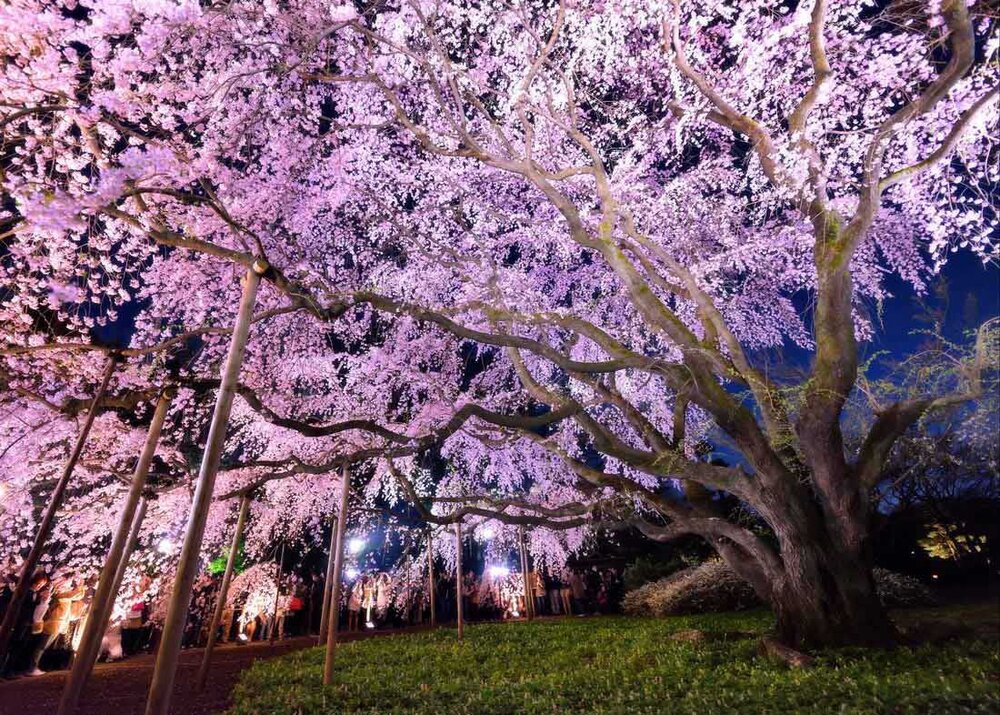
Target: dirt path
<point x="120" y="688"/>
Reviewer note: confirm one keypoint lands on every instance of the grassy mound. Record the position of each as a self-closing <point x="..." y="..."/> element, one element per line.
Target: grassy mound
<point x="625" y="665"/>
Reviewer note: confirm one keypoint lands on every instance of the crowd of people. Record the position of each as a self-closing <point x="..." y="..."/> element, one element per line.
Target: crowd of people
<point x="51" y="621"/>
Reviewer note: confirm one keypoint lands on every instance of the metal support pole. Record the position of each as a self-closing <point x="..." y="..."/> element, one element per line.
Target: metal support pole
<point x="328" y="584"/>
<point x="458" y="574"/>
<point x="107" y="585"/>
<point x="220" y="604"/>
<point x="430" y="577"/>
<point x="277" y="592"/>
<point x="165" y="669"/>
<point x="48" y="519"/>
<point x="338" y="568"/>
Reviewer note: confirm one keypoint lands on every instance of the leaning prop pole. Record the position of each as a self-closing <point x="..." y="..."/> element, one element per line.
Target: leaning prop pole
<point x="220" y="604"/>
<point x="48" y="520"/>
<point x="338" y="569"/>
<point x="133" y="539"/>
<point x="107" y="585"/>
<point x="328" y="583"/>
<point x="458" y="576"/>
<point x="165" y="669"/>
<point x="529" y="604"/>
<point x="430" y="576"/>
<point x="277" y="592"/>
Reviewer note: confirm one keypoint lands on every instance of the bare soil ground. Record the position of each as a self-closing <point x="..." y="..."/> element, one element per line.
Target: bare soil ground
<point x="120" y="688"/>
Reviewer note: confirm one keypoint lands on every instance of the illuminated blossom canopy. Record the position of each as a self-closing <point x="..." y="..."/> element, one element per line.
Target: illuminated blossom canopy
<point x="543" y="239"/>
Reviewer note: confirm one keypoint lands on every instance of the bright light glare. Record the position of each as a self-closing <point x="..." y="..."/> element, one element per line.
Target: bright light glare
<point x="352" y="572"/>
<point x="499" y="571"/>
<point x="165" y="546"/>
<point x="355" y="545"/>
<point x="487" y="533"/>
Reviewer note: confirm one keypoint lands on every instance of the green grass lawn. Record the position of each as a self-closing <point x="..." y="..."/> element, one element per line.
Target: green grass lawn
<point x="629" y="665"/>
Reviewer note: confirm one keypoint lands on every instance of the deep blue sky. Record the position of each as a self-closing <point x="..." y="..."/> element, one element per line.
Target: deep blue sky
<point x="970" y="285"/>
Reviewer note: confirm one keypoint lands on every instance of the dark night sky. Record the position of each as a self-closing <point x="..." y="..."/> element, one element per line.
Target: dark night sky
<point x="966" y="276"/>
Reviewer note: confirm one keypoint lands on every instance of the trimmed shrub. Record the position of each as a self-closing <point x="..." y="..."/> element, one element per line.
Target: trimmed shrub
<point x="713" y="587"/>
<point x="896" y="590"/>
<point x="647" y="569"/>
<point x="709" y="588"/>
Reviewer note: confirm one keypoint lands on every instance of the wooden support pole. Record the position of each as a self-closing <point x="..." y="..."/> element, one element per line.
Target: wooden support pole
<point x="338" y="568"/>
<point x="328" y="584"/>
<point x="430" y="577"/>
<point x="220" y="603"/>
<point x="277" y="592"/>
<point x="161" y="688"/>
<point x="133" y="539"/>
<point x="458" y="574"/>
<point x="109" y="581"/>
<point x="48" y="519"/>
<point x="529" y="604"/>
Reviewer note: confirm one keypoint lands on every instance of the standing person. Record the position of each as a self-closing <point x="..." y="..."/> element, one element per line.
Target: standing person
<point x="55" y="623"/>
<point x="473" y="592"/>
<point x="579" y="590"/>
<point x="28" y="624"/>
<point x="9" y="575"/>
<point x="566" y="596"/>
<point x="354" y="604"/>
<point x="368" y="600"/>
<point x="314" y="596"/>
<point x="135" y="630"/>
<point x="538" y="591"/>
<point x="383" y="590"/>
<point x="78" y="612"/>
<point x="555" y="601"/>
<point x="295" y="612"/>
<point x="602" y="599"/>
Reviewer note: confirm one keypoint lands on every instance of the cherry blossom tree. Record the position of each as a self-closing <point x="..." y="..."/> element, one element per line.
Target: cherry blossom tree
<point x="552" y="236"/>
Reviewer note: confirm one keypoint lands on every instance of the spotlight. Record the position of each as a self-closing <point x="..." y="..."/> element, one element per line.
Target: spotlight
<point x="499" y="571"/>
<point x="355" y="545"/>
<point x="351" y="572"/>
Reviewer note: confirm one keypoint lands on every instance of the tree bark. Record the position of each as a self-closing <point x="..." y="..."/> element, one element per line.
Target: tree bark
<point x="830" y="601"/>
<point x="822" y="589"/>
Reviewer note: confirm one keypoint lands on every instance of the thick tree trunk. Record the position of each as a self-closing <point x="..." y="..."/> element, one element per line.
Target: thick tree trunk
<point x="828" y="600"/>
<point x="821" y="586"/>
